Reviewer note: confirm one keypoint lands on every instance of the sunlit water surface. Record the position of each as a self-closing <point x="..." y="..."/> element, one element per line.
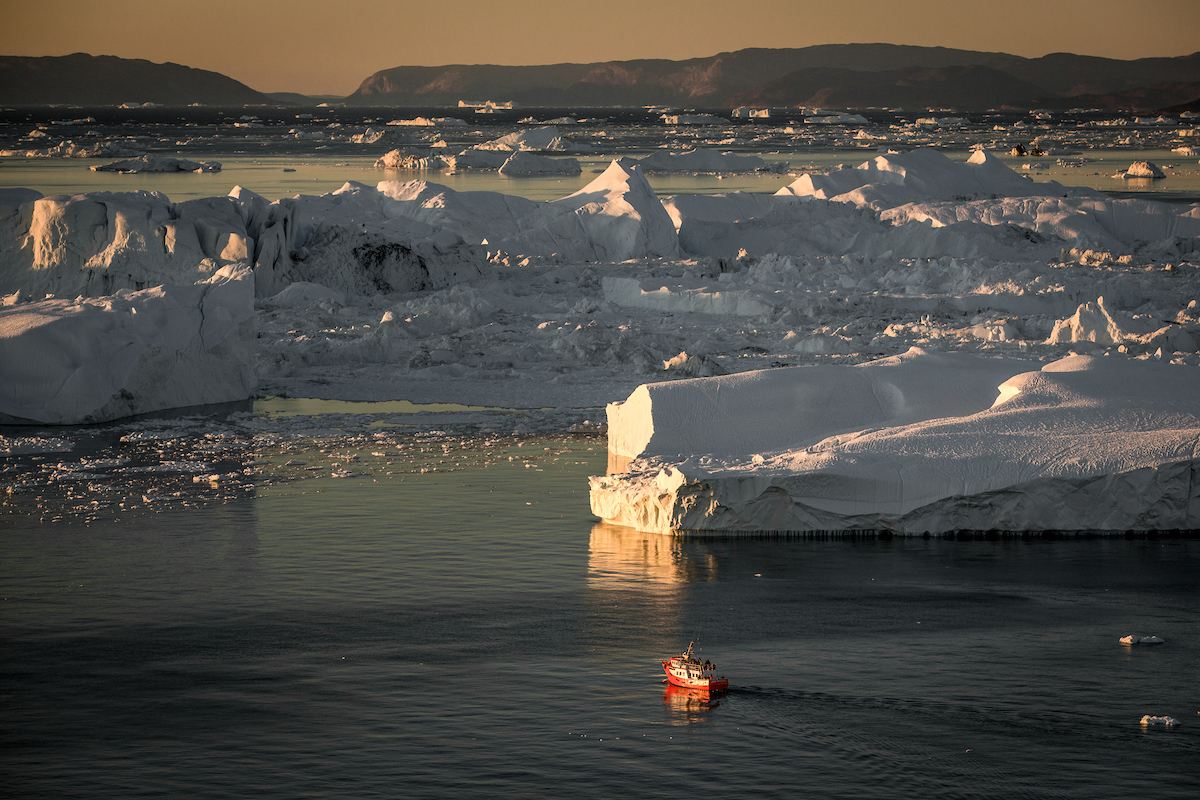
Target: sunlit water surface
<point x="476" y="633"/>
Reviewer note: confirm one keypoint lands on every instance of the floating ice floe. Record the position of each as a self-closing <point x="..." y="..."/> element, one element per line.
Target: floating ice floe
<point x="1143" y="169"/>
<point x="693" y="119"/>
<point x="71" y="149"/>
<point x="400" y="160"/>
<point x="524" y="164"/>
<point x="917" y="443"/>
<point x="157" y="163"/>
<point x="535" y="139"/>
<point x="369" y="136"/>
<point x="1154" y="721"/>
<point x="428" y="122"/>
<point x="67" y="362"/>
<point x="832" y="118"/>
<point x="33" y="445"/>
<point x="1136" y="640"/>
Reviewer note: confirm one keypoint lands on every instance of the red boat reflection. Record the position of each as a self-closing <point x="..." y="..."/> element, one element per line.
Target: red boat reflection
<point x="691" y="704"/>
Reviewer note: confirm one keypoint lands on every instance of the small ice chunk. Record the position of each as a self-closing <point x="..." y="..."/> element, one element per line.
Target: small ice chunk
<point x="1144" y="169"/>
<point x="1153" y="721"/>
<point x="1136" y="640"/>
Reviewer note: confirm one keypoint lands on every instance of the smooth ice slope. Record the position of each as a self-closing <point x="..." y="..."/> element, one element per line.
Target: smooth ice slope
<point x="755" y="411"/>
<point x="68" y="362"/>
<point x="916" y="443"/>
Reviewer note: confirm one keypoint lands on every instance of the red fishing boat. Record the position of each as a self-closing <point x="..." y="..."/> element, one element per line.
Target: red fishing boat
<point x="690" y="672"/>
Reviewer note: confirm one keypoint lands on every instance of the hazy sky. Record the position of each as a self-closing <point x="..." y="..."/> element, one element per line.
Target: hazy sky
<point x="329" y="46"/>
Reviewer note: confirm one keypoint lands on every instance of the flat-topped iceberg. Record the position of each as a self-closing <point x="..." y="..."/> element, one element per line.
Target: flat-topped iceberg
<point x="916" y="443"/>
<point x="67" y="362"/>
<point x="523" y="164"/>
<point x="158" y="163"/>
<point x="428" y="122"/>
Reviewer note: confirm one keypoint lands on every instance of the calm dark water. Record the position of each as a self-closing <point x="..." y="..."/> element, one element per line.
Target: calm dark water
<point x="475" y="632"/>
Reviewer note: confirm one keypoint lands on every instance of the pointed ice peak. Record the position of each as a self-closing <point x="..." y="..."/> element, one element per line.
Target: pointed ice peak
<point x="354" y="187"/>
<point x="623" y="175"/>
<point x="981" y="156"/>
<point x="409" y="190"/>
<point x="245" y="195"/>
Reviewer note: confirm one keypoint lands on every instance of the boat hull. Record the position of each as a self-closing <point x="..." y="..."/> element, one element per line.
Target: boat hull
<point x="705" y="684"/>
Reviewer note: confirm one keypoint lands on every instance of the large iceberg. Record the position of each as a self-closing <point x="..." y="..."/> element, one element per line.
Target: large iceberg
<point x="922" y="174"/>
<point x="354" y="239"/>
<point x="67" y="362"/>
<point x="97" y="243"/>
<point x="921" y="204"/>
<point x="617" y="216"/>
<point x="916" y="443"/>
<point x="157" y="163"/>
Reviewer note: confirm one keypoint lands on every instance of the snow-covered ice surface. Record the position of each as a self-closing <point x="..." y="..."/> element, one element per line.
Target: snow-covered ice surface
<point x="95" y="244"/>
<point x="414" y="290"/>
<point x="523" y="164"/>
<point x="918" y="443"/>
<point x="67" y="362"/>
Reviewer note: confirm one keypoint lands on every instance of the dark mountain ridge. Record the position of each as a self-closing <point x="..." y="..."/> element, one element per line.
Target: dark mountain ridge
<point x="82" y="79"/>
<point x="842" y="75"/>
<point x="846" y="74"/>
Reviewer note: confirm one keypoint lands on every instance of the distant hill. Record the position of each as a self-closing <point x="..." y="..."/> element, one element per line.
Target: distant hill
<point x="297" y="99"/>
<point x="82" y="79"/>
<point x="844" y="75"/>
<point x="1191" y="105"/>
<point x="912" y="87"/>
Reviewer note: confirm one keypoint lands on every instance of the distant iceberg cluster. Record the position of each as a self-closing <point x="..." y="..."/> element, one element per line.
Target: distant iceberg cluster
<point x="965" y="348"/>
